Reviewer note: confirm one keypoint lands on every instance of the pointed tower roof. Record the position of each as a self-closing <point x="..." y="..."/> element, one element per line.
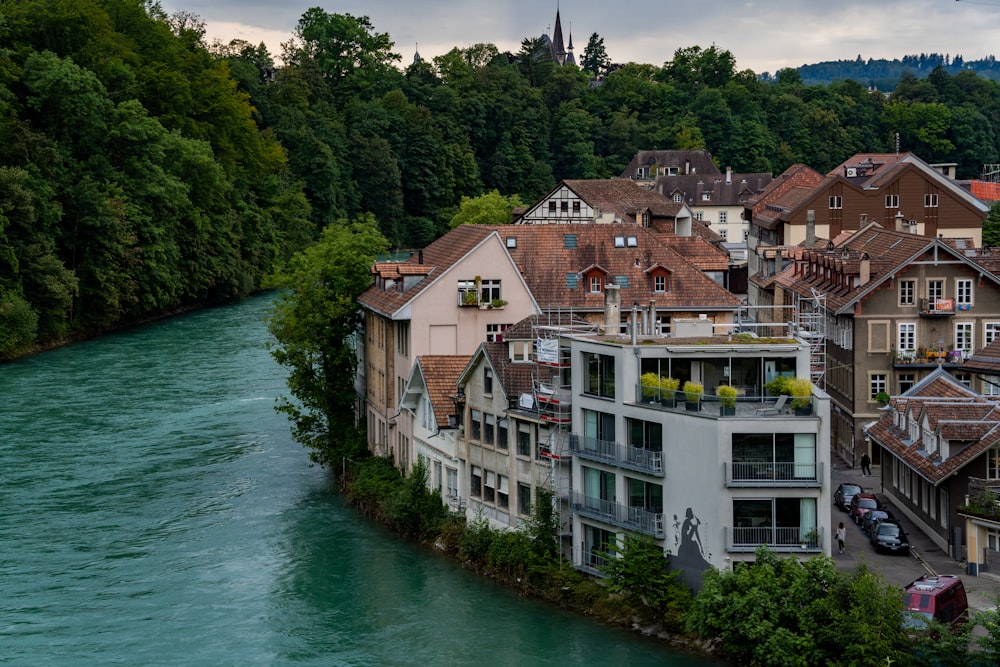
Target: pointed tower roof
<point x="416" y="54"/>
<point x="558" y="50"/>
<point x="570" y="58"/>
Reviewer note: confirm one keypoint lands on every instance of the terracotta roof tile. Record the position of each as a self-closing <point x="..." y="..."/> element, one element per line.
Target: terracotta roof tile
<point x="440" y="373"/>
<point x="986" y="360"/>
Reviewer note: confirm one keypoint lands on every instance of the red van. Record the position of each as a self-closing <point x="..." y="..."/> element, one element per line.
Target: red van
<point x="940" y="598"/>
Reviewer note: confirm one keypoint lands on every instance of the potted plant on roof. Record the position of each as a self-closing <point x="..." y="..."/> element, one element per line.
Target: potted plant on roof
<point x="727" y="400"/>
<point x="650" y="383"/>
<point x="800" y="389"/>
<point x="692" y="395"/>
<point x="668" y="391"/>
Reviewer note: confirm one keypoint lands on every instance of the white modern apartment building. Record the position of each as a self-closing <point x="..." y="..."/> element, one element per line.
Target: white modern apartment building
<point x="709" y="487"/>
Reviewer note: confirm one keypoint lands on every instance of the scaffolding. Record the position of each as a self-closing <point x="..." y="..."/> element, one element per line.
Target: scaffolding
<point x="811" y="327"/>
<point x="552" y="395"/>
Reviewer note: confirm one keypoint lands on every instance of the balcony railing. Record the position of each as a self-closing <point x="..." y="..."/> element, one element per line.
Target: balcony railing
<point x="937" y="308"/>
<point x="710" y="405"/>
<point x="608" y="511"/>
<point x="773" y="473"/>
<point x="779" y="539"/>
<point x="616" y="453"/>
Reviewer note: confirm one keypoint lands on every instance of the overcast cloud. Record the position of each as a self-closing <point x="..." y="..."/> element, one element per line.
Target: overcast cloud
<point x="763" y="35"/>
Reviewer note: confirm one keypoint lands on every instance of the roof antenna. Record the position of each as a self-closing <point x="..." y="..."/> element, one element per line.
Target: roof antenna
<point x="897" y="144"/>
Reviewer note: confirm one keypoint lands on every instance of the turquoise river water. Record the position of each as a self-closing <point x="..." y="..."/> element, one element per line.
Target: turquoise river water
<point x="155" y="511"/>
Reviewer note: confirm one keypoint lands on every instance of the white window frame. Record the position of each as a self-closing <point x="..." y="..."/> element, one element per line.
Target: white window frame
<point x="660" y="284"/>
<point x="678" y="198"/>
<point x="892" y="201"/>
<point x="935" y="291"/>
<point x="723" y="217"/>
<point x="906" y="336"/>
<point x="877" y="382"/>
<point x="993" y="462"/>
<point x="930" y="200"/>
<point x="991" y="331"/>
<point x="963" y="292"/>
<point x="907" y="292"/>
<point x="964" y="338"/>
<point x="836" y="202"/>
<point x="595" y="284"/>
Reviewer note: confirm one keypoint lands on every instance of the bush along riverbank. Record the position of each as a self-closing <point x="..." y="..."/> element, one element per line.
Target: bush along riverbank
<point x="637" y="592"/>
<point x="776" y="611"/>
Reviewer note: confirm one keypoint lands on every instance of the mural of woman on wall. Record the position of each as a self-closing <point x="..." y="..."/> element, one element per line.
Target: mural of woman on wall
<point x="690" y="556"/>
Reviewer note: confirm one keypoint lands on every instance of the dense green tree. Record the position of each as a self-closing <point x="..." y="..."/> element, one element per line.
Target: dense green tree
<point x="313" y="323"/>
<point x="595" y="60"/>
<point x="991" y="227"/>
<point x="491" y="208"/>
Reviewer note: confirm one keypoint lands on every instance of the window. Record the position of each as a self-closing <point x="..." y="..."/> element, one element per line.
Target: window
<point x="598" y="426"/>
<point x="963" y="338"/>
<point x="660" y="284"/>
<point x="836" y="201"/>
<point x="746" y="234"/>
<point x="494" y="332"/>
<point x="576" y="206"/>
<point x="641" y="172"/>
<point x="489" y="429"/>
<point x="619" y="241"/>
<point x="503" y="492"/>
<point x="427" y="413"/>
<point x="598" y="488"/>
<point x="523" y="499"/>
<point x="437" y="476"/>
<point x="930" y="201"/>
<point x="475" y="425"/>
<point x="892" y="201"/>
<point x="877" y="383"/>
<point x="990" y="332"/>
<point x="906" y="381"/>
<point x="991" y="385"/>
<point x="698" y="215"/>
<point x="907" y="292"/>
<point x="489" y="290"/>
<point x="935" y="291"/>
<point x="476" y="487"/>
<point x="598" y="546"/>
<point x="645" y="434"/>
<point x="523" y="440"/>
<point x="761" y="456"/>
<point x="963" y="293"/>
<point x="706" y="196"/>
<point x="552" y="207"/>
<point x="678" y="198"/>
<point x="778" y="521"/>
<point x="452" y="476"/>
<point x="596" y="284"/>
<point x="403" y="338"/>
<point x="487" y="381"/>
<point x="993" y="463"/>
<point x="645" y="218"/>
<point x="600" y="380"/>
<point x="502" y="433"/>
<point x="906" y="341"/>
<point x="490" y="487"/>
<point x="722" y="233"/>
<point x="521" y="351"/>
<point x="564" y="206"/>
<point x="723" y="217"/>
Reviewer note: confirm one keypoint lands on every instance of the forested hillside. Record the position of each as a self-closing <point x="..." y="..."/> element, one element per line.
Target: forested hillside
<point x="143" y="169"/>
<point x="885" y="74"/>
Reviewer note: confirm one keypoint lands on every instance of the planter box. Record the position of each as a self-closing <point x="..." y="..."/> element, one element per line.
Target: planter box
<point x="693" y="407"/>
<point x="727" y="411"/>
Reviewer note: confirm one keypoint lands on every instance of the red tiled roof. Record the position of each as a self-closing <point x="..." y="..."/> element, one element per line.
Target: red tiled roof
<point x="440" y="373"/>
<point x="552" y="257"/>
<point x="624" y="198"/>
<point x="986" y="360"/>
<point x="956" y="413"/>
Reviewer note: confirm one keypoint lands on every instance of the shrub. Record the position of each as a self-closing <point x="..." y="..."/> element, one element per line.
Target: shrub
<point x="727" y="395"/>
<point x="693" y="391"/>
<point x="778" y="385"/>
<point x="800" y="389"/>
<point x="650" y="385"/>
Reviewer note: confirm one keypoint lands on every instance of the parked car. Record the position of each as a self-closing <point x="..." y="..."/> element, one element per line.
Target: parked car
<point x="862" y="503"/>
<point x="871" y="516"/>
<point x="941" y="598"/>
<point x="842" y="496"/>
<point x="888" y="535"/>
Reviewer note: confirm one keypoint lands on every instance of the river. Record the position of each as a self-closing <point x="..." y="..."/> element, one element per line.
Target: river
<point x="155" y="511"/>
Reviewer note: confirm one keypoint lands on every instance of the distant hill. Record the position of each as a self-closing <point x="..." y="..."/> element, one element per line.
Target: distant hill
<point x="883" y="74"/>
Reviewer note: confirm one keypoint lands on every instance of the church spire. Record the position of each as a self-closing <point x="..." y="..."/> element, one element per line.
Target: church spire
<point x="570" y="58"/>
<point x="558" y="50"/>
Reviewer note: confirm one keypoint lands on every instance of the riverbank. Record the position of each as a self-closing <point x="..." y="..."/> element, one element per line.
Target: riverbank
<point x="527" y="561"/>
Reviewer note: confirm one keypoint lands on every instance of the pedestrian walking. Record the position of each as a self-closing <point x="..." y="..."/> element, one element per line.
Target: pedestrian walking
<point x="841" y="536"/>
<point x="866" y="463"/>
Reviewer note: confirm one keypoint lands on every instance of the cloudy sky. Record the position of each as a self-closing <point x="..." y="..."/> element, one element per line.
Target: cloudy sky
<point x="763" y="35"/>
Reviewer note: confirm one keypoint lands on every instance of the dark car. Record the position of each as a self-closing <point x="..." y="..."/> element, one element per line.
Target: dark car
<point x="862" y="503"/>
<point x="871" y="517"/>
<point x="888" y="535"/>
<point x="842" y="496"/>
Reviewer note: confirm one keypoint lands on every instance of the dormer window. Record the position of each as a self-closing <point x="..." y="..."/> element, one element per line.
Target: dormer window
<point x="596" y="283"/>
<point x="678" y="198"/>
<point x="660" y="284"/>
<point x="706" y="196"/>
<point x="645" y="218"/>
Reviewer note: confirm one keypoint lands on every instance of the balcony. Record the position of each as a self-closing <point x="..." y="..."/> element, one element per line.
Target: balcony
<point x="781" y="539"/>
<point x="747" y="404"/>
<point x="937" y="308"/>
<point x="769" y="474"/>
<point x="617" y="454"/>
<point x="922" y="358"/>
<point x="608" y="511"/>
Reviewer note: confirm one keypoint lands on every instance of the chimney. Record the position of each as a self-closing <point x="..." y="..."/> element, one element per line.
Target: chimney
<point x="865" y="269"/>
<point x="651" y="329"/>
<point x="687" y="166"/>
<point x="729" y="174"/>
<point x="635" y="323"/>
<point x="862" y="220"/>
<point x="810" y="228"/>
<point x="899" y="222"/>
<point x="612" y="308"/>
